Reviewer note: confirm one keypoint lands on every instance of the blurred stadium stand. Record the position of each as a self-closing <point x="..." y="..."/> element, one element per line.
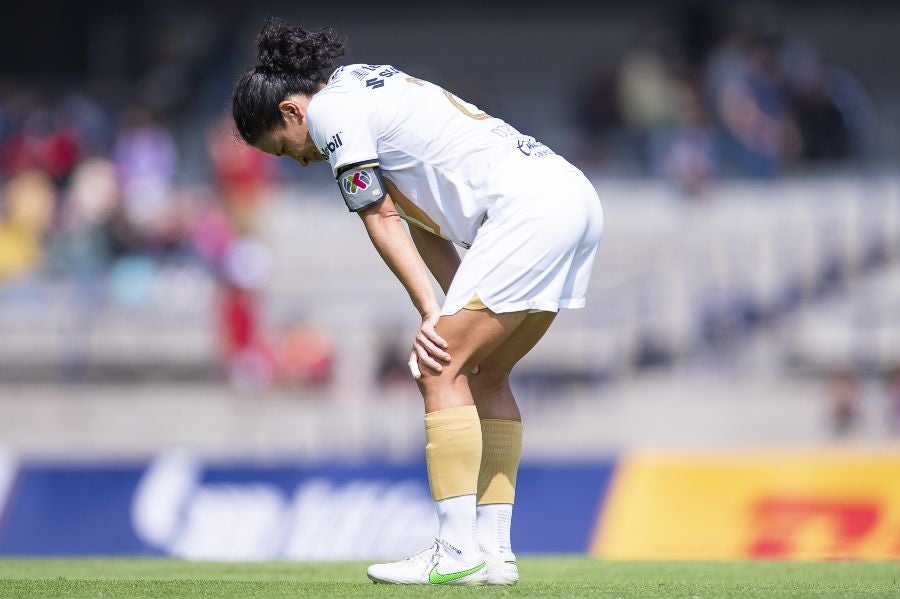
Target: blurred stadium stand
<point x="732" y="311"/>
<point x="146" y="259"/>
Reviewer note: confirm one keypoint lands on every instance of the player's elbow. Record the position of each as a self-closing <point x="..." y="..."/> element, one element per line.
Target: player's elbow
<point x="382" y="225"/>
<point x="379" y="213"/>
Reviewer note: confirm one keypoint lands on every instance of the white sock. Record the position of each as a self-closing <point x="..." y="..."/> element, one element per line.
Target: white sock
<point x="456" y="526"/>
<point x="494" y="521"/>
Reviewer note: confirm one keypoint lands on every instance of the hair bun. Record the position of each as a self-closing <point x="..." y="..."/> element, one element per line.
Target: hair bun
<point x="293" y="50"/>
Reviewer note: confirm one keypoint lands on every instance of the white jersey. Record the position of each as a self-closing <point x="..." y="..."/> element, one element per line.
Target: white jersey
<point x="444" y="162"/>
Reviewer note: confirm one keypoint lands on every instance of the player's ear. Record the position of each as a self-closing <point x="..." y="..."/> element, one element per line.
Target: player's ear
<point x="290" y="110"/>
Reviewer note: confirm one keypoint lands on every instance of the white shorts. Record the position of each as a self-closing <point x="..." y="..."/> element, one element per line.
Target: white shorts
<point x="535" y="251"/>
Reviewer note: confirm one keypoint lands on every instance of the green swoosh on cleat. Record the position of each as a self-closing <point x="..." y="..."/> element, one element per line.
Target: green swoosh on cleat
<point x="435" y="577"/>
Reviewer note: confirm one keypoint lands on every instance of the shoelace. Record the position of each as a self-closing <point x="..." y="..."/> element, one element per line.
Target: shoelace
<point x="432" y="557"/>
<point x="436" y="553"/>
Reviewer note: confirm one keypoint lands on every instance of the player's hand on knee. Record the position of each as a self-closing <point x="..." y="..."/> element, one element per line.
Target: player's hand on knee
<point x="429" y="348"/>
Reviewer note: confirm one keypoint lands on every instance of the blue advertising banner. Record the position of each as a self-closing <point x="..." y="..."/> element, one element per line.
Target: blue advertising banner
<point x="178" y="506"/>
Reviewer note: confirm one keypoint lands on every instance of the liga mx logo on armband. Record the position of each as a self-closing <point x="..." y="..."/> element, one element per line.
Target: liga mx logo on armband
<point x="356" y="181"/>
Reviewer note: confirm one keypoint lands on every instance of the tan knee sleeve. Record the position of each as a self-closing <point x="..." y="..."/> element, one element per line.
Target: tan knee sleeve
<point x="453" y="451"/>
<point x="500" y="455"/>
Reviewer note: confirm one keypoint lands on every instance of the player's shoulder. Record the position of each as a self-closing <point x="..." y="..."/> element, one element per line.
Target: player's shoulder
<point x="354" y="77"/>
<point x="344" y="87"/>
<point x="360" y="72"/>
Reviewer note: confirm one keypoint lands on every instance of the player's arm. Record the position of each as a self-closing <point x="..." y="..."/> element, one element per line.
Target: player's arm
<point x="388" y="235"/>
<point x="345" y="126"/>
<point x="438" y="253"/>
<point x="365" y="193"/>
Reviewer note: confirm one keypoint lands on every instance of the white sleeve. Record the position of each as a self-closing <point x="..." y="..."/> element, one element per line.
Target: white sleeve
<point x="343" y="128"/>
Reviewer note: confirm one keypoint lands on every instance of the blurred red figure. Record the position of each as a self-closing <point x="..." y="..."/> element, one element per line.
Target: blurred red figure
<point x="227" y="237"/>
<point x="238" y="320"/>
<point x="242" y="175"/>
<point x="305" y="356"/>
<point x="43" y="145"/>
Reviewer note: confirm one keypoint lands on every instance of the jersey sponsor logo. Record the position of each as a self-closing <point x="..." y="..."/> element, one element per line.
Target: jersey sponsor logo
<point x="374" y="82"/>
<point x="332" y="145"/>
<point x="355" y="181"/>
<point x="531" y="147"/>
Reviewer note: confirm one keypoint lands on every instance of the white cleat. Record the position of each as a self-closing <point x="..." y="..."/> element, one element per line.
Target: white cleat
<point x="434" y="565"/>
<point x="502" y="569"/>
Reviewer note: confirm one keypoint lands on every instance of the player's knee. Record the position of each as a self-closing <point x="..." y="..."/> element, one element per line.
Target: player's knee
<point x="432" y="381"/>
<point x="488" y="379"/>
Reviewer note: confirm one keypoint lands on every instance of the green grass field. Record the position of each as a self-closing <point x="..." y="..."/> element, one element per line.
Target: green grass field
<point x="541" y="577"/>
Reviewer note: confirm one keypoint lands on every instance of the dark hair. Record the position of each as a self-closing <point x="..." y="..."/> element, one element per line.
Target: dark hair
<point x="291" y="61"/>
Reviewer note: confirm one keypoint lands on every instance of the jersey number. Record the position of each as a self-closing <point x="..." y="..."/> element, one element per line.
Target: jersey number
<point x="457" y="103"/>
<point x="478" y="116"/>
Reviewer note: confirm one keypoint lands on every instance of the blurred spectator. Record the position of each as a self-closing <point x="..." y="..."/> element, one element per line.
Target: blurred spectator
<point x="242" y="174"/>
<point x="81" y="244"/>
<point x="687" y="153"/>
<point x="597" y="115"/>
<point x="823" y="132"/>
<point x="305" y="356"/>
<point x="245" y="271"/>
<point x="646" y="86"/>
<point x="831" y="111"/>
<point x="90" y="123"/>
<point x="752" y="108"/>
<point x="145" y="157"/>
<point x="229" y="240"/>
<point x="845" y="396"/>
<point x="42" y="143"/>
<point x="893" y="396"/>
<point x="28" y="204"/>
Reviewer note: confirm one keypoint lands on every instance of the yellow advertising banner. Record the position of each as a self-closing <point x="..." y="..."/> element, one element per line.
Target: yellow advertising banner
<point x="809" y="506"/>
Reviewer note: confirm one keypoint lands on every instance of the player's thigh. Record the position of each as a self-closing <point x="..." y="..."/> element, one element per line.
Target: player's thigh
<point x="498" y="363"/>
<point x="471" y="336"/>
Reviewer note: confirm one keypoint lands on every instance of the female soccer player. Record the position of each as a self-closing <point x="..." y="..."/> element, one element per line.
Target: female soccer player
<point x="400" y="149"/>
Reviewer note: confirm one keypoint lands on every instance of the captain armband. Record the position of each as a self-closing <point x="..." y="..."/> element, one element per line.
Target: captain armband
<point x="361" y="185"/>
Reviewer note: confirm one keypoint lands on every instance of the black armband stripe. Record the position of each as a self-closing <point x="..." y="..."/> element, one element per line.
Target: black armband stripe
<point x="361" y="164"/>
<point x="367" y="206"/>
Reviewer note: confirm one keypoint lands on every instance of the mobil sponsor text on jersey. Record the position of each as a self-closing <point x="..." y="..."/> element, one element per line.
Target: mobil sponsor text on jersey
<point x="332" y="145"/>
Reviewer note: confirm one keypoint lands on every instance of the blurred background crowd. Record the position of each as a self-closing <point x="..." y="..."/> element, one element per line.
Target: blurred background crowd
<point x="745" y="151"/>
<point x="725" y="91"/>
